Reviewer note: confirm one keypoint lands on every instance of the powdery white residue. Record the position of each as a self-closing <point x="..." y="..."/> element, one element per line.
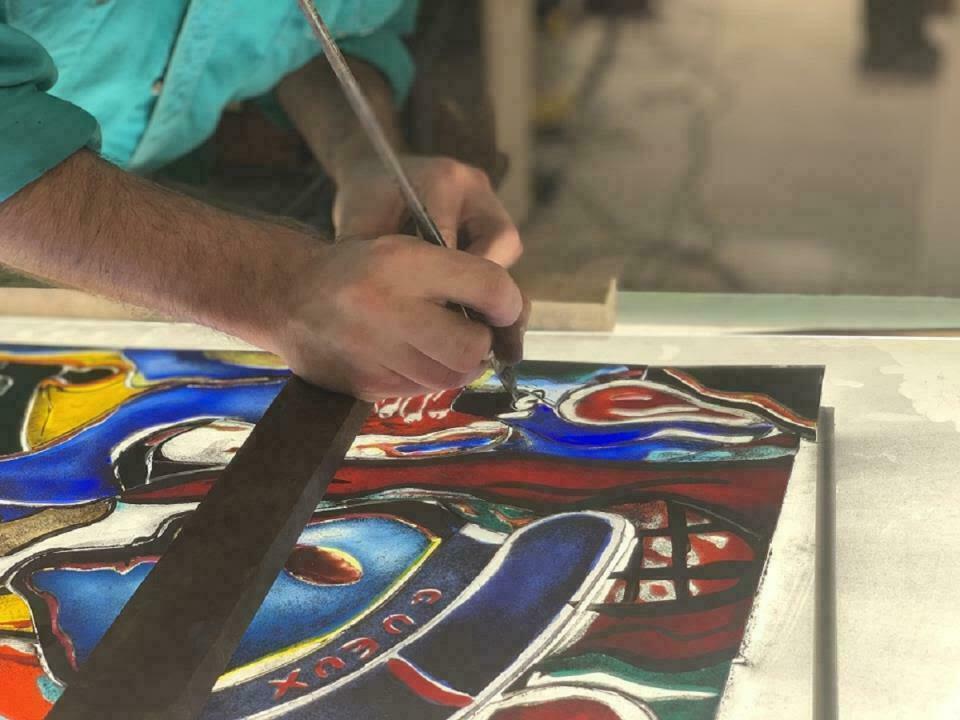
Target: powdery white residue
<point x="668" y="353"/>
<point x="930" y="380"/>
<point x="892" y="417"/>
<point x="840" y="382"/>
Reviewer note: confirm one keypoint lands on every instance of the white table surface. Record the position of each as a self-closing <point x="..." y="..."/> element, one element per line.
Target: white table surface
<point x="898" y="476"/>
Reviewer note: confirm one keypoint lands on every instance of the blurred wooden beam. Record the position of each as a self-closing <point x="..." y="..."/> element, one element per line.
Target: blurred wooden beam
<point x="581" y="301"/>
<point x="509" y="37"/>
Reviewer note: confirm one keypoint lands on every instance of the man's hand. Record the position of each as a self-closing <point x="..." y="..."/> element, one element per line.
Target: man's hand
<point x="459" y="198"/>
<point x="365" y="317"/>
<point x="368" y="204"/>
<point x="368" y="317"/>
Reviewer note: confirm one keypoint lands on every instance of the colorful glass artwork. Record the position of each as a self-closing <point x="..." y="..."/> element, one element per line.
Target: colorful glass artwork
<point x="589" y="551"/>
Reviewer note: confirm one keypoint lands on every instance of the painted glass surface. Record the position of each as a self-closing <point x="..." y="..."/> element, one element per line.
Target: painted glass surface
<point x="591" y="551"/>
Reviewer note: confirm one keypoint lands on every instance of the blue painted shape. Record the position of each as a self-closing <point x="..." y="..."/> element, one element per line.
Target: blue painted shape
<point x="79" y="469"/>
<point x="49" y="689"/>
<point x="295" y="611"/>
<point x="90" y="600"/>
<point x="450" y="569"/>
<point x="545" y="567"/>
<point x="545" y="432"/>
<point x="157" y="365"/>
<point x="484" y="636"/>
<point x="466" y="443"/>
<point x="15" y="512"/>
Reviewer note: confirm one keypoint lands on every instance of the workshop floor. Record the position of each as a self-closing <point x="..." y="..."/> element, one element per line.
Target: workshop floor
<point x="735" y="144"/>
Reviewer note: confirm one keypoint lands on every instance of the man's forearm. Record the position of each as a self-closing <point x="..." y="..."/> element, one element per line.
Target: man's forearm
<point x="313" y="100"/>
<point x="92" y="226"/>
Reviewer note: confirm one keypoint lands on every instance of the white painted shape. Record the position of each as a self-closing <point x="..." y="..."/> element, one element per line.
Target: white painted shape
<point x="126" y="523"/>
<point x="489" y="537"/>
<point x="625" y="708"/>
<point x="654" y="591"/>
<point x="661" y="546"/>
<point x="213" y="444"/>
<point x="21" y="646"/>
<point x="612" y="682"/>
<point x="718" y="541"/>
<point x="653" y="520"/>
<point x="694" y="435"/>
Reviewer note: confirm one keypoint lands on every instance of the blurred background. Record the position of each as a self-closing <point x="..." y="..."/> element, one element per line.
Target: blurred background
<point x="749" y="145"/>
<point x="772" y="146"/>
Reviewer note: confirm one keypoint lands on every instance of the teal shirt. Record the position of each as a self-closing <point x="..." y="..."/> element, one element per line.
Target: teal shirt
<point x="146" y="82"/>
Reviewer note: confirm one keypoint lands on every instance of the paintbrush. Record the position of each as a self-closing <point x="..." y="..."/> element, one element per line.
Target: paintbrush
<point x="426" y="227"/>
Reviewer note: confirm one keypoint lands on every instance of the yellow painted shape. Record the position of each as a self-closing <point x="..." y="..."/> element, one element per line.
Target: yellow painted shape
<point x="484" y="379"/>
<point x="15" y="615"/>
<point x="58" y="409"/>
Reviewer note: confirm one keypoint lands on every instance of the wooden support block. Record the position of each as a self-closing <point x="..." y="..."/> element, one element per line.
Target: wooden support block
<point x="64" y="303"/>
<point x="584" y="300"/>
<point x="509" y="39"/>
<point x="579" y="300"/>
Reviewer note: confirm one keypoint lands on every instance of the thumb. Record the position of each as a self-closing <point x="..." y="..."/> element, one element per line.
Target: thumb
<point x="508" y="341"/>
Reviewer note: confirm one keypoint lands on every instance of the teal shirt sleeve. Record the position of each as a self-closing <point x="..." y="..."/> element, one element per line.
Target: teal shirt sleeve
<point x="37" y="131"/>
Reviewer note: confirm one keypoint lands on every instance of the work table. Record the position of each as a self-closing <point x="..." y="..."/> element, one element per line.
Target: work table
<point x="897" y="402"/>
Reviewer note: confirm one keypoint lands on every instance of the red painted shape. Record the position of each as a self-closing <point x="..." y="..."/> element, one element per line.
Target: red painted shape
<point x="327" y="665"/>
<point x="425" y="686"/>
<point x="363" y="647"/>
<point x="704" y="548"/>
<point x="291" y="682"/>
<point x="322" y="566"/>
<point x="562" y="709"/>
<point x="392" y="623"/>
<point x="19" y="624"/>
<point x="53" y="608"/>
<point x="621" y="403"/>
<point x="684" y="638"/>
<point x="658" y="590"/>
<point x="417" y="415"/>
<point x="649" y="515"/>
<point x="427" y="595"/>
<point x="185" y="492"/>
<point x="764" y="401"/>
<point x="20" y="696"/>
<point x="753" y="491"/>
